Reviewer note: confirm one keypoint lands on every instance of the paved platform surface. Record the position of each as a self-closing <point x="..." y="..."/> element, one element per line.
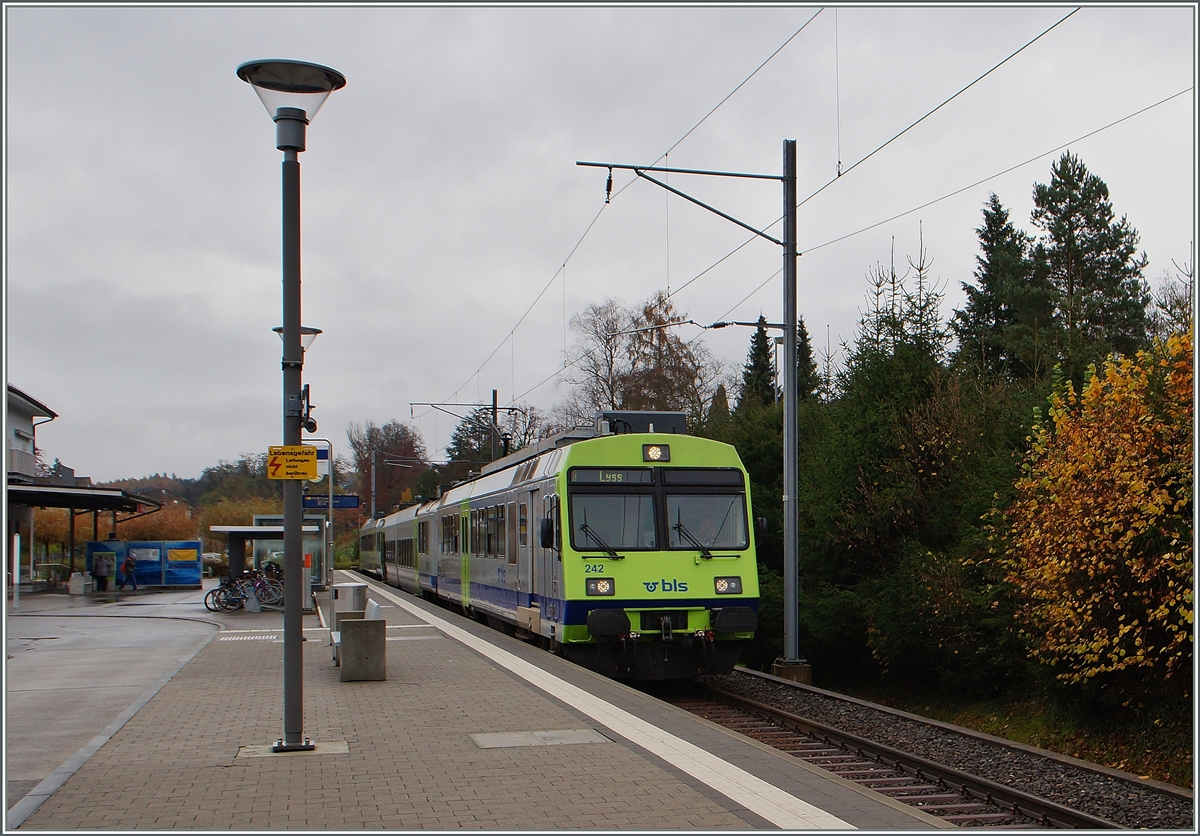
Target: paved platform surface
<point x="471" y="729"/>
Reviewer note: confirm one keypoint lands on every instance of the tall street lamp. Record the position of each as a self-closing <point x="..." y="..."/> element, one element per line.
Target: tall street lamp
<point x="292" y="92"/>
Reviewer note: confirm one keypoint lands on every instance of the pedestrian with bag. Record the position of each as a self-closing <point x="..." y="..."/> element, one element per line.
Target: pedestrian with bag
<point x="128" y="569"/>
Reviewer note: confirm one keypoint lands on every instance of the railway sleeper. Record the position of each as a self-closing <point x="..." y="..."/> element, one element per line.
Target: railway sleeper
<point x="878" y="773"/>
<point x="891" y="782"/>
<point x="980" y="818"/>
<point x="924" y="799"/>
<point x="844" y="770"/>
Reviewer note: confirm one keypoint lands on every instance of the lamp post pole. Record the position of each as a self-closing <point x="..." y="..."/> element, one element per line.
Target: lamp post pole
<point x="790" y="666"/>
<point x="292" y="121"/>
<point x="283" y="86"/>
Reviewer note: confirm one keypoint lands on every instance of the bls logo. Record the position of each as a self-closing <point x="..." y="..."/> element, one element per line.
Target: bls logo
<point x="674" y="585"/>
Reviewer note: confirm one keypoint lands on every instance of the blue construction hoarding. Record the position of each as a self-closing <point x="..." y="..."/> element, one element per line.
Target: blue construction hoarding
<point x="172" y="563"/>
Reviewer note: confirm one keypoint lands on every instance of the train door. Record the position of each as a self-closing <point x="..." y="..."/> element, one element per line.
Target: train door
<point x="527" y="542"/>
<point x="548" y="573"/>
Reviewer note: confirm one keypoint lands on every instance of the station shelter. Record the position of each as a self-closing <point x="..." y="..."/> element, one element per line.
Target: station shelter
<point x="270" y="550"/>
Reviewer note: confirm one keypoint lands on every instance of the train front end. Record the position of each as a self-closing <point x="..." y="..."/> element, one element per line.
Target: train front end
<point x="659" y="573"/>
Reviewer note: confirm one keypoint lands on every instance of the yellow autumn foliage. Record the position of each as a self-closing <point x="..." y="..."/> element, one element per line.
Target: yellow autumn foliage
<point x="1100" y="534"/>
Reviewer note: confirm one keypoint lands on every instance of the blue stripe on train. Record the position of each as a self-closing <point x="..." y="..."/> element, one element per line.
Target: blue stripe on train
<point x="575" y="612"/>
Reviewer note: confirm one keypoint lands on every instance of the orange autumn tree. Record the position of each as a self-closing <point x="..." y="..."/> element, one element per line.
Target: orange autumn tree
<point x="175" y="521"/>
<point x="1100" y="534"/>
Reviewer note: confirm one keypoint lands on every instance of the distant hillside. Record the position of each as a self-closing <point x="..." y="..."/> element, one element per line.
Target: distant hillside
<point x="160" y="487"/>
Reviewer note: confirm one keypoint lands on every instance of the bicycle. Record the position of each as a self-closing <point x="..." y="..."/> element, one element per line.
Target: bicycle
<point x="226" y="597"/>
<point x="232" y="592"/>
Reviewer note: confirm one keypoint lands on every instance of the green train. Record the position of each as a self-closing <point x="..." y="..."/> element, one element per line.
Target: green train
<point x="628" y="548"/>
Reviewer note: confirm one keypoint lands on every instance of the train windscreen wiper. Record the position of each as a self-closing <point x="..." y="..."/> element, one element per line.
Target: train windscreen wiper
<point x="683" y="532"/>
<point x="609" y="550"/>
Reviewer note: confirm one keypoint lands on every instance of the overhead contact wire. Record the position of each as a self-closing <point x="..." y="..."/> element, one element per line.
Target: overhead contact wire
<point x="936" y="109"/>
<point x="610" y="194"/>
<point x="889" y="142"/>
<point x="690" y="130"/>
<point x="1011" y="168"/>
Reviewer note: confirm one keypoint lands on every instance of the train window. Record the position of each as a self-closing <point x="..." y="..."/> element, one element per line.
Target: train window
<point x="612" y="521"/>
<point x="523" y="524"/>
<point x="450" y="534"/>
<point x="512" y="532"/>
<point x="715" y="521"/>
<point x="423" y="537"/>
<point x="501" y="532"/>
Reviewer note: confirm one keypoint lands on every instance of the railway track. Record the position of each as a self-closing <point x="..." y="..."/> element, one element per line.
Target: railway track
<point x="949" y="794"/>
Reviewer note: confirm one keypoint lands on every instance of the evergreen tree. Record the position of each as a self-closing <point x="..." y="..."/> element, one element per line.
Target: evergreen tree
<point x="808" y="380"/>
<point x="474" y="438"/>
<point x="718" y="412"/>
<point x="998" y="329"/>
<point x="758" y="375"/>
<point x="477" y="441"/>
<point x="1091" y="262"/>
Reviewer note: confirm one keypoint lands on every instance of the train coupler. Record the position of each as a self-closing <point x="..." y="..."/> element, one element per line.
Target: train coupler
<point x="665" y="625"/>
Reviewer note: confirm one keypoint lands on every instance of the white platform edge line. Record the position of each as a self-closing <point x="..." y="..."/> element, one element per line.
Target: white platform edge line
<point x="778" y="807"/>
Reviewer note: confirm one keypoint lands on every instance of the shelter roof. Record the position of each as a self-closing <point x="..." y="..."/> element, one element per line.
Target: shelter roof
<point x="79" y="498"/>
<point x="258" y="532"/>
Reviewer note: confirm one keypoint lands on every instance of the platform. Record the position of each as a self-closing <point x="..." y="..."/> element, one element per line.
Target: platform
<point x="471" y="729"/>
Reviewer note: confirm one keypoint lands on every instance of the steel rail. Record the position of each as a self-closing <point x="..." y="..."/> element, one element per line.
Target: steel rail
<point x="1047" y="812"/>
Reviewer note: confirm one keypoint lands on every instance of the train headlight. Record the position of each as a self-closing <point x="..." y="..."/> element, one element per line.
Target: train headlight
<point x="729" y="586"/>
<point x="656" y="452"/>
<point x="601" y="586"/>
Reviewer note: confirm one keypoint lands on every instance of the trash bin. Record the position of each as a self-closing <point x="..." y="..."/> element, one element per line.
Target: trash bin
<point x="349" y="597"/>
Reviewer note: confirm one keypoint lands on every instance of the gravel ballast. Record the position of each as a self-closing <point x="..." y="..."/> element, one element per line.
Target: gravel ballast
<point x="1124" y="800"/>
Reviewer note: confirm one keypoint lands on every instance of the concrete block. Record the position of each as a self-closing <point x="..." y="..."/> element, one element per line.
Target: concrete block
<point x="344" y="615"/>
<point x="795" y="671"/>
<point x="363" y="651"/>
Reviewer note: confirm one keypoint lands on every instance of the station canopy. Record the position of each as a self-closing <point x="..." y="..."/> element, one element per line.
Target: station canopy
<point x="80" y="498"/>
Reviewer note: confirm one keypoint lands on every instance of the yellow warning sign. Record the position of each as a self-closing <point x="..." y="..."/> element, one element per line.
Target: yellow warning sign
<point x="292" y="462"/>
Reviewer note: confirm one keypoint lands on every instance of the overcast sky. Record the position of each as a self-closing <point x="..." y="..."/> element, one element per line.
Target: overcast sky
<point x="441" y="195"/>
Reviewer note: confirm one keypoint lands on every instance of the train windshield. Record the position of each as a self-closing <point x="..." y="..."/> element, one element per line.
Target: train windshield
<point x="612" y="521"/>
<point x="714" y="521"/>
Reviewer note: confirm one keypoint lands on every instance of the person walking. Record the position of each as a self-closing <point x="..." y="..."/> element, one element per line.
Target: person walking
<point x="127" y="573"/>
